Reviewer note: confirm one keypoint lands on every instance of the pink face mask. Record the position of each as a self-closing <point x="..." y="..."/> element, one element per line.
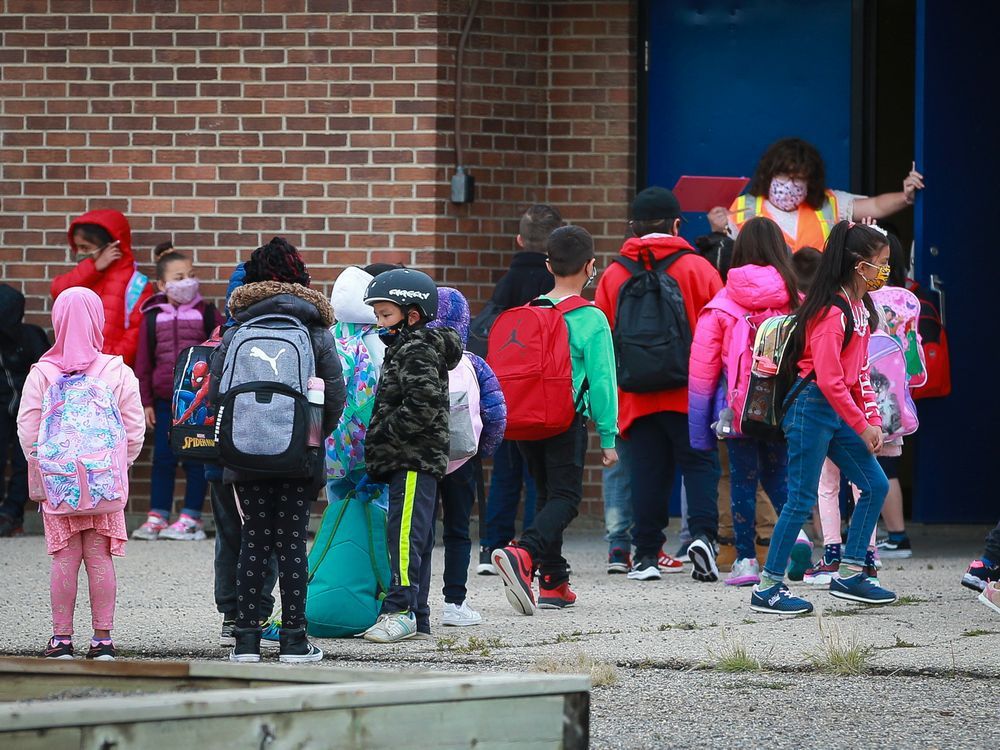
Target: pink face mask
<point x="787" y="193"/>
<point x="182" y="291"/>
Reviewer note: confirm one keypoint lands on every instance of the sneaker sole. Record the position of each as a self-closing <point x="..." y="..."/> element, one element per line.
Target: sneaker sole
<point x="897" y="554"/>
<point x="705" y="569"/>
<point x="971" y="582"/>
<point x="245" y="658"/>
<point x="369" y="637"/>
<point x="558" y="604"/>
<point x="649" y="574"/>
<point x="58" y="658"/>
<point x="200" y="537"/>
<point x="516" y="595"/>
<point x="768" y="611"/>
<point x="617" y="569"/>
<point x="674" y="569"/>
<point x="300" y="659"/>
<point x="143" y="537"/>
<point x="860" y="599"/>
<point x="801" y="561"/>
<point x="743" y="581"/>
<point x="104" y="657"/>
<point x="467" y="624"/>
<point x="985" y="600"/>
<point x="485" y="570"/>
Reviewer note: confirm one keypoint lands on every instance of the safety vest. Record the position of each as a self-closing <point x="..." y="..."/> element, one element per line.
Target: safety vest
<point x="813" y="225"/>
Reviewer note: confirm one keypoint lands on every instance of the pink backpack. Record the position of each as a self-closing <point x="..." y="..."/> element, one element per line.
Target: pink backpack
<point x="739" y="359"/>
<point x="887" y="372"/>
<point x="899" y="311"/>
<point x="80" y="462"/>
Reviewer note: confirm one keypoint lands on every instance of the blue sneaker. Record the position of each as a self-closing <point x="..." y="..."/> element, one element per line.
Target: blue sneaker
<point x="778" y="600"/>
<point x="859" y="588"/>
<point x="270" y="632"/>
<point x="801" y="559"/>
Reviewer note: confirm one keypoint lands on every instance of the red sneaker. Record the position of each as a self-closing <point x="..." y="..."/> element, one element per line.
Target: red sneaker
<point x="516" y="570"/>
<point x="560" y="597"/>
<point x="667" y="564"/>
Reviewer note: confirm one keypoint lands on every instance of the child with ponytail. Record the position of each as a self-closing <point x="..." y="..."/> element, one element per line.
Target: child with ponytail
<point x="831" y="412"/>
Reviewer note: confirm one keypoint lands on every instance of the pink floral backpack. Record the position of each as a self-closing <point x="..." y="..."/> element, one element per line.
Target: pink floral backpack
<point x="80" y="462"/>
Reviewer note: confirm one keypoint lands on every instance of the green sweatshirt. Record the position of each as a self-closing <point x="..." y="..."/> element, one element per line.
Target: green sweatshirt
<point x="592" y="356"/>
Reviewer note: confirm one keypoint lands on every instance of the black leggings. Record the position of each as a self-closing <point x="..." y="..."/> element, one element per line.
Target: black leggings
<point x="276" y="518"/>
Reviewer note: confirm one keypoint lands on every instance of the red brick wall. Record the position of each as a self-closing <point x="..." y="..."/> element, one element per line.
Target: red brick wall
<point x="219" y="123"/>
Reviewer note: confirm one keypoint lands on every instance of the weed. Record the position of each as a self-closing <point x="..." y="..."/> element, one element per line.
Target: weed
<point x="979" y="631"/>
<point x="748" y="621"/>
<point x="446" y="643"/>
<point x="601" y="673"/>
<point x="569" y="637"/>
<point x="840" y="612"/>
<point x="900" y="643"/>
<point x="838" y="653"/>
<point x="475" y="646"/>
<point x="909" y="599"/>
<point x="680" y="626"/>
<point x="733" y="656"/>
<point x="930" y="566"/>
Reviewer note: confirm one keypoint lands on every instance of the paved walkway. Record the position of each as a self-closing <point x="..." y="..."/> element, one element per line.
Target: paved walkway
<point x="932" y="669"/>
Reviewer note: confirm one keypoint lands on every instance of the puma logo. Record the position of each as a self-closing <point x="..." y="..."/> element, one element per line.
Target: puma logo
<point x="273" y="361"/>
<point x="513" y="340"/>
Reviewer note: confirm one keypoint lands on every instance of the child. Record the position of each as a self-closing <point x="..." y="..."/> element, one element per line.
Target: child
<point x="834" y="414"/>
<point x="806" y="263"/>
<point x="21" y="344"/>
<point x="458" y="488"/>
<point x="175" y="318"/>
<point x="72" y="537"/>
<point x="276" y="510"/>
<point x="760" y="284"/>
<point x="103" y="241"/>
<point x="985" y="570"/>
<point x="557" y="463"/>
<point x="653" y="416"/>
<point x="408" y="439"/>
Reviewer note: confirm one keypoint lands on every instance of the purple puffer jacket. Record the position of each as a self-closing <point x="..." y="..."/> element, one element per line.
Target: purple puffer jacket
<point x="176" y="328"/>
<point x="453" y="312"/>
<point x="759" y="291"/>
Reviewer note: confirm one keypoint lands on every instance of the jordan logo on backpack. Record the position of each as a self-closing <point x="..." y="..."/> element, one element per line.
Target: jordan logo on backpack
<point x="273" y="361"/>
<point x="513" y="340"/>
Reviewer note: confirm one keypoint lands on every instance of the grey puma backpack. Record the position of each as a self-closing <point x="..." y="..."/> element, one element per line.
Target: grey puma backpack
<point x="262" y="422"/>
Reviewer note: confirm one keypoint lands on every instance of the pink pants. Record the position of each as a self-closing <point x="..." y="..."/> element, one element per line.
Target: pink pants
<point x="91" y="548"/>
<point x="829" y="503"/>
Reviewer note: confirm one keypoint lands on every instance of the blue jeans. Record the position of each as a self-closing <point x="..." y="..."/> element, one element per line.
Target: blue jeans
<point x="752" y="461"/>
<point x="164" y="474"/>
<point x="814" y="431"/>
<point x="510" y="471"/>
<point x="618" y="500"/>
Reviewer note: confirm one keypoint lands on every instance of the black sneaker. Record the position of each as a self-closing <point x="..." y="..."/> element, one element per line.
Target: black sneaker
<point x="247" y="648"/>
<point x="645" y="569"/>
<point x="58" y="649"/>
<point x="227" y="638"/>
<point x="702" y="554"/>
<point x="485" y="567"/>
<point x="11" y="526"/>
<point x="979" y="575"/>
<point x="102" y="651"/>
<point x="296" y="648"/>
<point x="891" y="550"/>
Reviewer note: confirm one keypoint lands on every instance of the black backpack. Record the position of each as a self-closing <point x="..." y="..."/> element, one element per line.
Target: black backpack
<point x="652" y="338"/>
<point x="479" y="329"/>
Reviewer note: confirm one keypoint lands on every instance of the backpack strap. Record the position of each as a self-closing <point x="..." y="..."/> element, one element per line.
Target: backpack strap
<point x="845" y="307"/>
<point x="636" y="267"/>
<point x="151" y="331"/>
<point x="208" y="316"/>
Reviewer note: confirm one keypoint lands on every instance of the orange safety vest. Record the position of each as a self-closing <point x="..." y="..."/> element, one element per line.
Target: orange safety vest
<point x="813" y="225"/>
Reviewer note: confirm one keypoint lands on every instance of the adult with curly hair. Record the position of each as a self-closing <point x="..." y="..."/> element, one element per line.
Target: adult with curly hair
<point x="789" y="187"/>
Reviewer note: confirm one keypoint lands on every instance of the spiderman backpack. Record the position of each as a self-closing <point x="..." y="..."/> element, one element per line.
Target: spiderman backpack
<point x="192" y="431"/>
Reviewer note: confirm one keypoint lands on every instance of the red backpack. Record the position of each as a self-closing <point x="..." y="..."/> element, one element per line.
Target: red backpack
<point x="934" y="340"/>
<point x="529" y="352"/>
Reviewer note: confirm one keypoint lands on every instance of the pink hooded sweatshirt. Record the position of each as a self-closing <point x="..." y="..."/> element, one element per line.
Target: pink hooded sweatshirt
<point x="78" y="322"/>
<point x="758" y="291"/>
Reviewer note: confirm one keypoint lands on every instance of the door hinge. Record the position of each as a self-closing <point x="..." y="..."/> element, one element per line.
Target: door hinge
<point x="645" y="56"/>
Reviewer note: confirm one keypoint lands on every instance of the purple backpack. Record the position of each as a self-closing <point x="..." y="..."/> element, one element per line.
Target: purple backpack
<point x="888" y="376"/>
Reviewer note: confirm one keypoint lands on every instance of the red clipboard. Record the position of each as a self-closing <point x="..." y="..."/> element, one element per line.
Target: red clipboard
<point x="705" y="193"/>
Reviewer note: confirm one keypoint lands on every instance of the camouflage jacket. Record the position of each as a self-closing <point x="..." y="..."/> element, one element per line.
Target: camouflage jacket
<point x="409" y="427"/>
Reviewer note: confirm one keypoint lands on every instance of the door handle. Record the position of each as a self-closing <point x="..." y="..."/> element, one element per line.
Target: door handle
<point x="937" y="286"/>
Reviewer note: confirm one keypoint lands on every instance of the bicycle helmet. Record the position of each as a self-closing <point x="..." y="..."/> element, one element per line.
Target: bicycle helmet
<point x="406" y="288"/>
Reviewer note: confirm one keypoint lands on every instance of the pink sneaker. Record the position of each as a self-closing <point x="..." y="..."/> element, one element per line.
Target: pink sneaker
<point x="185" y="529"/>
<point x="151" y="530"/>
<point x="991" y="596"/>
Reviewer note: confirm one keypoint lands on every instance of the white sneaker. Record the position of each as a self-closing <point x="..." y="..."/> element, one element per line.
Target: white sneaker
<point x="185" y="529"/>
<point x="151" y="530"/>
<point x="392" y="628"/>
<point x="460" y="615"/>
<point x="745" y="572"/>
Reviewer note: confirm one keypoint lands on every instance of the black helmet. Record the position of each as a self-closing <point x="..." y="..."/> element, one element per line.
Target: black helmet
<point x="406" y="288"/>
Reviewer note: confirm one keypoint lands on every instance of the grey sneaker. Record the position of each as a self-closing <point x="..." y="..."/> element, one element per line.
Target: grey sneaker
<point x="392" y="628"/>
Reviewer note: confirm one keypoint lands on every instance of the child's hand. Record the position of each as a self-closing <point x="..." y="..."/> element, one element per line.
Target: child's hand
<point x="873" y="438"/>
<point x="609" y="457"/>
<point x="150" y="413"/>
<point x="107" y="255"/>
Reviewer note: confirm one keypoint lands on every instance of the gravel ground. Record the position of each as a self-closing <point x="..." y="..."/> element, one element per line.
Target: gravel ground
<point x="932" y="665"/>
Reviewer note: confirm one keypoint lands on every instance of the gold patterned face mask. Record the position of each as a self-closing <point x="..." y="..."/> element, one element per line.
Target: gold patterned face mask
<point x="881" y="276"/>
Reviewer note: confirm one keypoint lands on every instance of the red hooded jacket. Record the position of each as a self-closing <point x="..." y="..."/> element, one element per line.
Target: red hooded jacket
<point x="698" y="281"/>
<point x="121" y="288"/>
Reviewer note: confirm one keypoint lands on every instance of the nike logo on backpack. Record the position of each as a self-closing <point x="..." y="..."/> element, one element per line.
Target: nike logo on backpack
<point x="273" y="361"/>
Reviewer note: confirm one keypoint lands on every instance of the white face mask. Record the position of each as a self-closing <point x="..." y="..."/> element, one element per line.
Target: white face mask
<point x="787" y="193"/>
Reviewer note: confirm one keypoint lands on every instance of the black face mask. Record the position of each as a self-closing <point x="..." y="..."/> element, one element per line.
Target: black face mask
<point x="388" y="335"/>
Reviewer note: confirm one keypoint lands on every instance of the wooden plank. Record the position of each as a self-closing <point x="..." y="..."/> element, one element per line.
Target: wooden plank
<point x="282" y="699"/>
<point x="63" y="738"/>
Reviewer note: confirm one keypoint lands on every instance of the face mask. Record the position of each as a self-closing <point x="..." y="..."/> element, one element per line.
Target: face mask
<point x="182" y="291"/>
<point x="388" y="335"/>
<point x="787" y="194"/>
<point x="881" y="276"/>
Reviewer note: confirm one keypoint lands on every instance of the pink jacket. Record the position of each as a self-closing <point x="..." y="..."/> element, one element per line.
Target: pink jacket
<point x="757" y="291"/>
<point x="116" y="374"/>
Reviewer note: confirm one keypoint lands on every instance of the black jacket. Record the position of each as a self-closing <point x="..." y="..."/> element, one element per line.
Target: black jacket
<point x="526" y="279"/>
<point x="21" y="345"/>
<point x="717" y="249"/>
<point x="409" y="427"/>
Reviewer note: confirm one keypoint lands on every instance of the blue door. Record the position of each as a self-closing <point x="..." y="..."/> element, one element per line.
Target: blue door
<point x="726" y="79"/>
<point x="955" y="243"/>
